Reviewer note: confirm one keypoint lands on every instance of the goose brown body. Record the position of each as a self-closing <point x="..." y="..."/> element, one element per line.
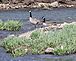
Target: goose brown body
<point x="34" y="20"/>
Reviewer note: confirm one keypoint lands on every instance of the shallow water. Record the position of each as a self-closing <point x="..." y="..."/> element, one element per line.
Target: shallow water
<point x="7" y="57"/>
<point x="68" y="14"/>
<point x="57" y="14"/>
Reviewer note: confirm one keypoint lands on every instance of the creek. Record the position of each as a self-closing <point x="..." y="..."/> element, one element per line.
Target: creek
<point x="57" y="14"/>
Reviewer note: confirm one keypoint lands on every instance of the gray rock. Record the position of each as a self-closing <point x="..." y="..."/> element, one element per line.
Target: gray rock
<point x="54" y="4"/>
<point x="49" y="50"/>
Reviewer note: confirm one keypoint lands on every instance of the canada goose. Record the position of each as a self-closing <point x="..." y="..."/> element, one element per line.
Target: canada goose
<point x="46" y="23"/>
<point x="50" y="25"/>
<point x="34" y="21"/>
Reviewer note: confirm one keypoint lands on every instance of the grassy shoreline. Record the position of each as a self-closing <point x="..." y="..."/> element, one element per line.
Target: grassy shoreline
<point x="63" y="41"/>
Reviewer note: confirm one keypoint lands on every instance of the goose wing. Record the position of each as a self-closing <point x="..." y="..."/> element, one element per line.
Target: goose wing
<point x="34" y="20"/>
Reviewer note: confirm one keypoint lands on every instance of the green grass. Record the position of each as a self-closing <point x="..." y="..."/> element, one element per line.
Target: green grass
<point x="16" y="46"/>
<point x="63" y="41"/>
<point x="11" y="25"/>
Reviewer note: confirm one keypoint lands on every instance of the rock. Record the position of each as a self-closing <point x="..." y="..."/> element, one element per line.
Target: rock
<point x="14" y="1"/>
<point x="54" y="4"/>
<point x="48" y="5"/>
<point x="73" y="22"/>
<point x="69" y="6"/>
<point x="2" y="6"/>
<point x="59" y="26"/>
<point x="24" y="6"/>
<point x="62" y="25"/>
<point x="12" y="35"/>
<point x="49" y="50"/>
<point x="47" y="28"/>
<point x="26" y="34"/>
<point x="45" y="5"/>
<point x="46" y="1"/>
<point x="16" y="7"/>
<point x="28" y="2"/>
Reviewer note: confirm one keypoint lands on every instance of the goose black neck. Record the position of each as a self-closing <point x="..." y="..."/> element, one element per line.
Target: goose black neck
<point x="30" y="14"/>
<point x="44" y="20"/>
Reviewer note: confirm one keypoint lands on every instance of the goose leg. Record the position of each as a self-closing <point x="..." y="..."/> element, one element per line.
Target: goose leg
<point x="35" y="25"/>
<point x="41" y="26"/>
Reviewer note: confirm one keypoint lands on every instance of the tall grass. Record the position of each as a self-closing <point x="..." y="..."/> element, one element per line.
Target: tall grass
<point x="63" y="41"/>
<point x="10" y="25"/>
<point x="16" y="46"/>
